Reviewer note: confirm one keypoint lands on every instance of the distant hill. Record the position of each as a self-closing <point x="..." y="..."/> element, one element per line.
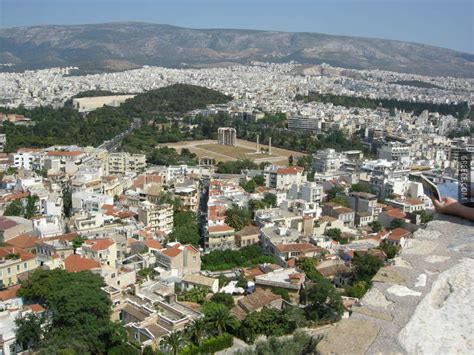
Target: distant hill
<point x="119" y="46"/>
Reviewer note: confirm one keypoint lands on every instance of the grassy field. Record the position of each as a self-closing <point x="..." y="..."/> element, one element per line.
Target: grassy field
<point x="243" y="150"/>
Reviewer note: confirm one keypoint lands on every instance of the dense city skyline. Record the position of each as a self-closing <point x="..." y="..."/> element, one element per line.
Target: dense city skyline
<point x="441" y="23"/>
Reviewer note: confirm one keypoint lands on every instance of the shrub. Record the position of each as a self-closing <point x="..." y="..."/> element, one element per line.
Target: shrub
<point x="210" y="346"/>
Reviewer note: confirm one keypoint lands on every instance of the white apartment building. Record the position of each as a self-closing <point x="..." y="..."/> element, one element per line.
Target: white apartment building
<point x="3" y="141"/>
<point x="159" y="217"/>
<point x="25" y="158"/>
<point x="282" y="178"/>
<point x="327" y="161"/>
<point x="394" y="151"/>
<point x="90" y="202"/>
<point x="121" y="163"/>
<point x="307" y="191"/>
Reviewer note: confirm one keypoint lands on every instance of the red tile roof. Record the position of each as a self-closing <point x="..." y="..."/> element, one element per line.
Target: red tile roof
<point x="292" y="170"/>
<point x="24" y="241"/>
<point x="37" y="308"/>
<point x="398" y="233"/>
<point x="23" y="254"/>
<point x="63" y="153"/>
<point x="152" y="244"/>
<point x="172" y="252"/>
<point x="395" y="213"/>
<point x="76" y="263"/>
<point x="220" y="228"/>
<point x="99" y="244"/>
<point x="297" y="247"/>
<point x="9" y="293"/>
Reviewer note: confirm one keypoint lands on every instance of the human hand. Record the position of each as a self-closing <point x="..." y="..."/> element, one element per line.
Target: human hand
<point x="447" y="205"/>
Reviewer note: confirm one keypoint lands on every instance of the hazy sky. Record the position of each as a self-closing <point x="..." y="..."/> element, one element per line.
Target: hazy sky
<point x="445" y="23"/>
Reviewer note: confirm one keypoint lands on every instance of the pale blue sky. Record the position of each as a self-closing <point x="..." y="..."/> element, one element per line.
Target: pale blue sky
<point x="444" y="23"/>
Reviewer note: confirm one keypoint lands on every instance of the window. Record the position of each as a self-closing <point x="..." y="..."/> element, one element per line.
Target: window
<point x="9" y="271"/>
<point x="18" y="267"/>
<point x="25" y="266"/>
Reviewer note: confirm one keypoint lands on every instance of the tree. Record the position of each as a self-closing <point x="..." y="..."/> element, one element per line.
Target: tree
<point x="248" y="186"/>
<point x="257" y="205"/>
<point x="358" y="289"/>
<point x="14" y="208"/>
<point x="360" y="188"/>
<point x="78" y="241"/>
<point x="270" y="199"/>
<point x="333" y="191"/>
<point x="269" y="321"/>
<point x="325" y="301"/>
<point x="67" y="202"/>
<point x="197" y="331"/>
<point x="340" y="200"/>
<point x="223" y="298"/>
<point x="29" y="331"/>
<point x="366" y="266"/>
<point x="334" y="233"/>
<point x="80" y="310"/>
<point x="238" y="218"/>
<point x="376" y="226"/>
<point x="390" y="250"/>
<point x="300" y="343"/>
<point x="219" y="318"/>
<point x="425" y="216"/>
<point x="397" y="223"/>
<point x="185" y="228"/>
<point x="196" y="295"/>
<point x="173" y="342"/>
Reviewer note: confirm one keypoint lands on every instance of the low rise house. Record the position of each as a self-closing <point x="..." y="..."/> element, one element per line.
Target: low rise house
<point x="13" y="226"/>
<point x="342" y="213"/>
<point x="220" y="237"/>
<point x="255" y="302"/>
<point x="247" y="236"/>
<point x="102" y="250"/>
<point x="178" y="260"/>
<point x="397" y="237"/>
<point x="189" y="282"/>
<point x="15" y="265"/>
<point x="289" y="279"/>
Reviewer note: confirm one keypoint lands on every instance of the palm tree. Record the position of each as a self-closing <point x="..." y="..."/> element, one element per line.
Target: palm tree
<point x="173" y="341"/>
<point x="197" y="331"/>
<point x="221" y="319"/>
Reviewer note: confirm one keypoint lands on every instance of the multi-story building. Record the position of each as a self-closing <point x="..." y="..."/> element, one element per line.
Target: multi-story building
<point x="14" y="264"/>
<point x="121" y="163"/>
<point x="282" y="178"/>
<point x="179" y="260"/>
<point x="159" y="217"/>
<point x="25" y="158"/>
<point x="90" y="202"/>
<point x="3" y="141"/>
<point x="308" y="191"/>
<point x="220" y="237"/>
<point x="327" y="161"/>
<point x="308" y="124"/>
<point x="394" y="151"/>
<point x="363" y="202"/>
<point x="102" y="250"/>
<point x="342" y="213"/>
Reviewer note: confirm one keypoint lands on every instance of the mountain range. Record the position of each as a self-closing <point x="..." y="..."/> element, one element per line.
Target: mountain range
<point x="127" y="45"/>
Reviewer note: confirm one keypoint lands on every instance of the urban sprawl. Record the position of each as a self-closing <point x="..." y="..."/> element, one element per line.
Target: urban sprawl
<point x="244" y="251"/>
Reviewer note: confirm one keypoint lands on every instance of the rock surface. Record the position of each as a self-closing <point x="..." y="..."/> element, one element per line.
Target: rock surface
<point x="438" y="267"/>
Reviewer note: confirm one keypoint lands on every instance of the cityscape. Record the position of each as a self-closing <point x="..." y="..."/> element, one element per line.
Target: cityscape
<point x="251" y="205"/>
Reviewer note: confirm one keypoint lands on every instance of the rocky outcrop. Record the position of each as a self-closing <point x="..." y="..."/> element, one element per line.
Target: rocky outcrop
<point x="423" y="304"/>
